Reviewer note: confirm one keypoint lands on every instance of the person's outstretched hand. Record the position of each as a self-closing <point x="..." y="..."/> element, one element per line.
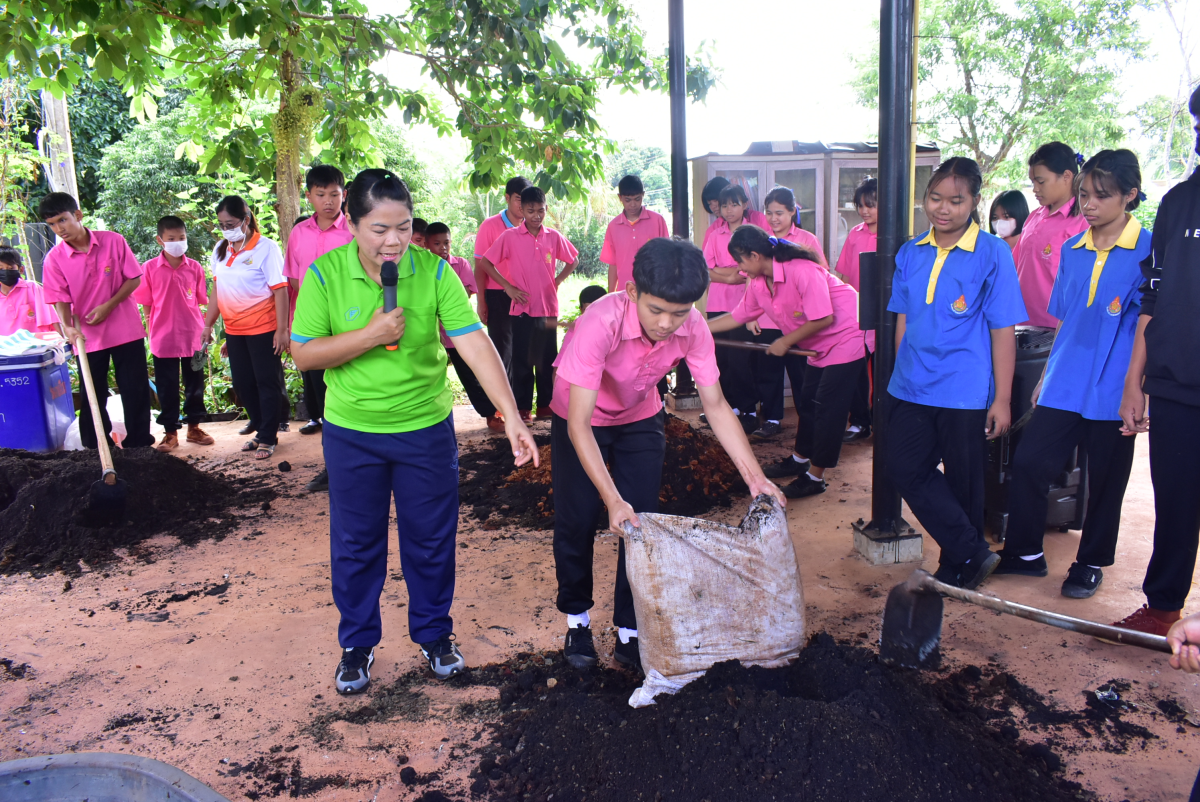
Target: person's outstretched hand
<point x="1183" y="637"/>
<point x="766" y="486"/>
<point x="523" y="446"/>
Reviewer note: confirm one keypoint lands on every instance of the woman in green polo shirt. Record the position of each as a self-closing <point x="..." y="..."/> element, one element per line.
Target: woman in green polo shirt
<point x="388" y="423"/>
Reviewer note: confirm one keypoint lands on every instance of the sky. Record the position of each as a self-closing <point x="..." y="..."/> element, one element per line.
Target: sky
<point x="786" y="67"/>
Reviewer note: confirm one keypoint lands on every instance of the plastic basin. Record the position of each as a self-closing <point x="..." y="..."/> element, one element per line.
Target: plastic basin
<point x="99" y="777"/>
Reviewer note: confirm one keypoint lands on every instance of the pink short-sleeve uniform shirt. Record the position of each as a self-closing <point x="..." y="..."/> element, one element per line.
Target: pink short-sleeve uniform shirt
<point x="86" y="279"/>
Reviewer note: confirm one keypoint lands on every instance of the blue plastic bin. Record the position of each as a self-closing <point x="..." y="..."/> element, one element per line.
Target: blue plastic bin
<point x="35" y="402"/>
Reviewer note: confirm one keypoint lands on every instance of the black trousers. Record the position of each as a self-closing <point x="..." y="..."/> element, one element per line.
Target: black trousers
<point x="256" y="372"/>
<point x="479" y="399"/>
<point x="634" y="453"/>
<point x="133" y="382"/>
<point x="822" y="406"/>
<point x="167" y="371"/>
<point x="499" y="324"/>
<point x="860" y="405"/>
<point x="768" y="376"/>
<point x="1175" y="471"/>
<point x="314" y="393"/>
<point x="534" y="349"/>
<point x="949" y="503"/>
<point x="737" y="370"/>
<point x="1046" y="445"/>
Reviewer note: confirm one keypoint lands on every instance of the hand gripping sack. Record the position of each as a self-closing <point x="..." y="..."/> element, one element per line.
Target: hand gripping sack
<point x="706" y="592"/>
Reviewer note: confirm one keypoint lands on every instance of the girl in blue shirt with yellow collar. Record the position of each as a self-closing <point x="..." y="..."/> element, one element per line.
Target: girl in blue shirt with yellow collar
<point x="1096" y="296"/>
<point x="956" y="293"/>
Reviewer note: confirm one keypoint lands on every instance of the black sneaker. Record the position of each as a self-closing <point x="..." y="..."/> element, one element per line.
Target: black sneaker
<point x="804" y="486"/>
<point x="767" y="430"/>
<point x="786" y="467"/>
<point x="972" y="573"/>
<point x="1082" y="581"/>
<point x="249" y="428"/>
<point x="312" y="427"/>
<point x="445" y="660"/>
<point x="749" y="422"/>
<point x="354" y="671"/>
<point x="628" y="654"/>
<point x="283" y="427"/>
<point x="319" y="483"/>
<point x="704" y="420"/>
<point x="1011" y="563"/>
<point x="579" y="650"/>
<point x="853" y="437"/>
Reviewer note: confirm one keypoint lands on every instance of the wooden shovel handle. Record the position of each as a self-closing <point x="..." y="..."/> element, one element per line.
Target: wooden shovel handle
<point x="106" y="463"/>
<point x="1116" y="634"/>
<point x="745" y="346"/>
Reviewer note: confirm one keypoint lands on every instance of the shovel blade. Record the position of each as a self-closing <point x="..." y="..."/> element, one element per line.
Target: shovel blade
<point x="106" y="503"/>
<point x="912" y="627"/>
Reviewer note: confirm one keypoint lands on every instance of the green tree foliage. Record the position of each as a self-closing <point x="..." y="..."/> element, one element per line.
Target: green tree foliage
<point x="649" y="163"/>
<point x="1167" y="128"/>
<point x="516" y="95"/>
<point x="997" y="79"/>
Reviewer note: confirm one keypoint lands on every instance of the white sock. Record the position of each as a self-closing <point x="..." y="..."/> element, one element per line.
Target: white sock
<point x="815" y="478"/>
<point x="797" y="459"/>
<point x="752" y="414"/>
<point x="773" y="421"/>
<point x="1094" y="566"/>
<point x="581" y="620"/>
<point x="736" y="412"/>
<point x="625" y="634"/>
<point x="1033" y="556"/>
<point x="854" y="429"/>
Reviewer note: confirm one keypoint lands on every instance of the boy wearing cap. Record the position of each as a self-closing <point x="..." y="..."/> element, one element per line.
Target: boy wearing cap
<point x="606" y="409"/>
<point x="629" y="231"/>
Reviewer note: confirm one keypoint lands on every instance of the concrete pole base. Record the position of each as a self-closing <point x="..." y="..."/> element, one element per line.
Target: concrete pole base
<point x="903" y="544"/>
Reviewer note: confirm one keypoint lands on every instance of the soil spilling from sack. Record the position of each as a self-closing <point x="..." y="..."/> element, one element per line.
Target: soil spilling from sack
<point x="698" y="476"/>
<point x="834" y="725"/>
<point x="43" y="527"/>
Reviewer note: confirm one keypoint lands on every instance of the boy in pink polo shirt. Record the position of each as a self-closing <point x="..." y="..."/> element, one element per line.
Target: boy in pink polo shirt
<point x="89" y="276"/>
<point x="23" y="307"/>
<point x="628" y="231"/>
<point x="532" y="250"/>
<point x="861" y="239"/>
<point x="172" y="291"/>
<point x="493" y="303"/>
<point x="607" y="410"/>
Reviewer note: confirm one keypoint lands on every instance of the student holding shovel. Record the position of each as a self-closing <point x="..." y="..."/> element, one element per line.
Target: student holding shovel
<point x="607" y="408"/>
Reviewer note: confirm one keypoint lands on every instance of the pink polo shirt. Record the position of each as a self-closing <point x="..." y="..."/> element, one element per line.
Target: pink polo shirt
<point x="858" y="241"/>
<point x="610" y="353"/>
<point x="89" y="278"/>
<point x="531" y="266"/>
<point x="806" y="240"/>
<point x="25" y="308"/>
<point x="721" y="297"/>
<point x="463" y="270"/>
<point x="1037" y="255"/>
<point x="755" y="218"/>
<point x="806" y="291"/>
<point x="489" y="231"/>
<point x="623" y="239"/>
<point x="308" y="242"/>
<point x="171" y="298"/>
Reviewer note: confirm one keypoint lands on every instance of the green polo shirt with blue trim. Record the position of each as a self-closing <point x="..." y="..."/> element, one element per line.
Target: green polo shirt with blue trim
<point x="385" y="391"/>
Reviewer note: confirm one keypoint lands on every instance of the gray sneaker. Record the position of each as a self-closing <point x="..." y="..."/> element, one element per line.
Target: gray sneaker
<point x="445" y="660"/>
<point x="354" y="671"/>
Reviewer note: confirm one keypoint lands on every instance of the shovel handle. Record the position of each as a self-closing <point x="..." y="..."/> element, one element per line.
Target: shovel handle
<point x="1110" y="633"/>
<point x="745" y="346"/>
<point x="109" y="475"/>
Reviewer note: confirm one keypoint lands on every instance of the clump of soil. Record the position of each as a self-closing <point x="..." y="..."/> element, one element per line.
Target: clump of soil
<point x="698" y="476"/>
<point x="43" y="496"/>
<point x="834" y="725"/>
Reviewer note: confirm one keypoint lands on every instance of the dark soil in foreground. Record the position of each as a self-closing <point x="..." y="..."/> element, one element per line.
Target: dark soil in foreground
<point x="835" y="725"/>
<point x="43" y="526"/>
<point x="698" y="476"/>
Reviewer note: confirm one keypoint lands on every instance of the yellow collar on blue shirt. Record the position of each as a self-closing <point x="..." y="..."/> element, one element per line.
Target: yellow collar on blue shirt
<point x="966" y="241"/>
<point x="1128" y="239"/>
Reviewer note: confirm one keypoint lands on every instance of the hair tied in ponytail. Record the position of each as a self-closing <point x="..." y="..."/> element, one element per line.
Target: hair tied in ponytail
<point x="1079" y="159"/>
<point x="1141" y="196"/>
<point x="773" y="240"/>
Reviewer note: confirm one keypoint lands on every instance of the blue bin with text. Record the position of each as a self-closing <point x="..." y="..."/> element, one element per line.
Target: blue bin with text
<point x="35" y="402"/>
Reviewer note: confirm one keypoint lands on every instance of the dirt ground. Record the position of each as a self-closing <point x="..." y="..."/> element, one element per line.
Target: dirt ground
<point x="218" y="657"/>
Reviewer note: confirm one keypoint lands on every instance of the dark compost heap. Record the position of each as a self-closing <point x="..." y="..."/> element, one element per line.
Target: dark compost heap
<point x="834" y="725"/>
<point x="697" y="476"/>
<point x="42" y="498"/>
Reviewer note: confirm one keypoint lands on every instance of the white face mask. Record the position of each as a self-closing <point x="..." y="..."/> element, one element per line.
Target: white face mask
<point x="1004" y="228"/>
<point x="176" y="248"/>
<point x="234" y="234"/>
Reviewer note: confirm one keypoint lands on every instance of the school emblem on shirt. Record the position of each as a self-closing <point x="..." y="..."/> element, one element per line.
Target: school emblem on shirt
<point x="188" y="293"/>
<point x="959" y="306"/>
<point x="352" y="314"/>
<point x="1114" y="308"/>
<point x="1046" y="250"/>
<point x="548" y="259"/>
<point x="797" y="314"/>
<point x="107" y="269"/>
<point x="29" y="312"/>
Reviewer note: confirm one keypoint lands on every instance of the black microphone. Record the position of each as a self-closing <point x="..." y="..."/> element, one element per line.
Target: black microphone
<point x="389" y="274"/>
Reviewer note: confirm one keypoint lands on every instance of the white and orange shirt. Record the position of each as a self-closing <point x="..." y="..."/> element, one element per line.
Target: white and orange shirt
<point x="245" y="282"/>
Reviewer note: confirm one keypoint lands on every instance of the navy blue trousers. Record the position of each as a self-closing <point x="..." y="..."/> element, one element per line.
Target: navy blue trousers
<point x="420" y="469"/>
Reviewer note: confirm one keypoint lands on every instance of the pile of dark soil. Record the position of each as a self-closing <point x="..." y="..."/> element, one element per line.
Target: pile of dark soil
<point x="698" y="476"/>
<point x="43" y="496"/>
<point x="834" y="725"/>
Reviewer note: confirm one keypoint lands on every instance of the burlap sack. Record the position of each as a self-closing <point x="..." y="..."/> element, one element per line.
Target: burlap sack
<point x="706" y="592"/>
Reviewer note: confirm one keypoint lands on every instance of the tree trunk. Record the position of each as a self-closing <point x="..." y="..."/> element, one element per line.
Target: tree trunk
<point x="54" y="140"/>
<point x="287" y="155"/>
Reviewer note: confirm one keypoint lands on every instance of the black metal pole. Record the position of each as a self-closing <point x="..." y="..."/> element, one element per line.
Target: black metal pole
<point x="896" y="29"/>
<point x="677" y="74"/>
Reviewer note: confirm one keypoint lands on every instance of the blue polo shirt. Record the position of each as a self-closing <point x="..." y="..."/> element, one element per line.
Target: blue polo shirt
<point x="951" y="299"/>
<point x="1096" y="296"/>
